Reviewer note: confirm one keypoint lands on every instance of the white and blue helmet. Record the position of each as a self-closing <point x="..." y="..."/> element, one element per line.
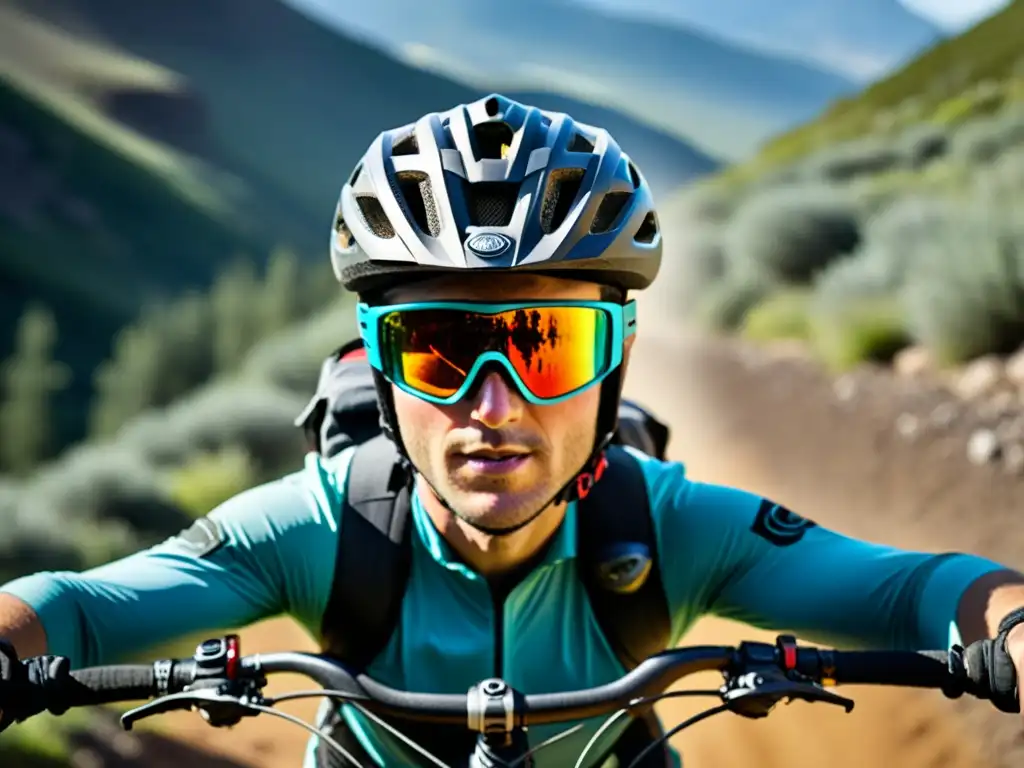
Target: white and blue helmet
<point x="495" y="185"/>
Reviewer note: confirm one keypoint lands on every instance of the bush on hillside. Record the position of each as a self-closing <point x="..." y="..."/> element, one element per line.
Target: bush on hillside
<point x="706" y="203"/>
<point x="844" y="162"/>
<point x="855" y="312"/>
<point x="922" y="144"/>
<point x="780" y="316"/>
<point x="966" y="298"/>
<point x="1001" y="181"/>
<point x="96" y="483"/>
<point x="983" y="140"/>
<point x="723" y="306"/>
<point x="789" y="235"/>
<point x="894" y="240"/>
<point x="254" y="416"/>
<point x="209" y="479"/>
<point x="291" y="359"/>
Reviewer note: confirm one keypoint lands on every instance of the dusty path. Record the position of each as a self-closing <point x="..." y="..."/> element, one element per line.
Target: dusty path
<point x="887" y="728"/>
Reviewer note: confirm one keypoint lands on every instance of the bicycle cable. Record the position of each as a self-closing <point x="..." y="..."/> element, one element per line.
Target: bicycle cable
<point x="618" y="715"/>
<point x="683" y="725"/>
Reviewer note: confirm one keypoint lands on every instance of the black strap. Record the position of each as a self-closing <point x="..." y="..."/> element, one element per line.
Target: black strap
<point x="374" y="556"/>
<point x="618" y="562"/>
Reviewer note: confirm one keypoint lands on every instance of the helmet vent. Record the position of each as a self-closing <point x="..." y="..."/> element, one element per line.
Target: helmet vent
<point x="648" y="229"/>
<point x="406" y="145"/>
<point x="492" y="140"/>
<point x="608" y="212"/>
<point x="581" y="143"/>
<point x="355" y="175"/>
<point x="562" y="188"/>
<point x="634" y="175"/>
<point x="375" y="217"/>
<point x="419" y="199"/>
<point x="491" y="203"/>
<point x="342" y="234"/>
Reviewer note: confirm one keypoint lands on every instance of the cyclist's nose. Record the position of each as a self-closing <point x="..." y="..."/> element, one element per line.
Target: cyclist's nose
<point x="496" y="403"/>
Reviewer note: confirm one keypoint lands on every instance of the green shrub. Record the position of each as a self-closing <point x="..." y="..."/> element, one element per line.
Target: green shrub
<point x="291" y="359"/>
<point x="780" y="316"/>
<point x="859" y="329"/>
<point x="1001" y="181"/>
<point x="705" y="203"/>
<point x="254" y="416"/>
<point x="894" y="239"/>
<point x="966" y="298"/>
<point x="789" y="235"/>
<point x="922" y="144"/>
<point x="210" y="479"/>
<point x="94" y="483"/>
<point x="864" y="157"/>
<point x="724" y="306"/>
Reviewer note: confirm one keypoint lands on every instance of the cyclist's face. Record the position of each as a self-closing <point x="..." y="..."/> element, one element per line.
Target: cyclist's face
<point x="459" y="448"/>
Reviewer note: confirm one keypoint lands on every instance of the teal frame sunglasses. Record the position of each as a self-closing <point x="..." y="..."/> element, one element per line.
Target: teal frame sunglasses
<point x="621" y="324"/>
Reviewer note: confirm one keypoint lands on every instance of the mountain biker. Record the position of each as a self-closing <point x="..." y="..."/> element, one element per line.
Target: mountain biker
<point x="498" y="412"/>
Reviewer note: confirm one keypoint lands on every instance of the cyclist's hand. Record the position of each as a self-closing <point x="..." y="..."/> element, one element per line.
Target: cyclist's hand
<point x="1015" y="650"/>
<point x="13" y="683"/>
<point x="994" y="667"/>
<point x="28" y="687"/>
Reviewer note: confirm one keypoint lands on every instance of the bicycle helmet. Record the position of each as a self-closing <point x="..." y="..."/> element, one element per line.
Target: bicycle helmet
<point x="504" y="187"/>
<point x="495" y="185"/>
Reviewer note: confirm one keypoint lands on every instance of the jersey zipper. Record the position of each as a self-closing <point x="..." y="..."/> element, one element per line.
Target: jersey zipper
<point x="499" y="635"/>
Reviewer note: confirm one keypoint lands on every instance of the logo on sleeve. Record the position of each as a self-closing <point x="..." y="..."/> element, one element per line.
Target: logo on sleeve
<point x="781" y="526"/>
<point x="202" y="538"/>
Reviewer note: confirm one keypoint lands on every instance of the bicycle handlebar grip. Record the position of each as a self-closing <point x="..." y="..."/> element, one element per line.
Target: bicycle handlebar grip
<point x="108" y="685"/>
<point x="917" y="669"/>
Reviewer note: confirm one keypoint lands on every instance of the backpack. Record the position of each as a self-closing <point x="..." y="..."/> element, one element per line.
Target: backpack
<point x="616" y="549"/>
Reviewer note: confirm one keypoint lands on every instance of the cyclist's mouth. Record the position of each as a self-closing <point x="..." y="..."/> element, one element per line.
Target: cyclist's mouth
<point x="493" y="462"/>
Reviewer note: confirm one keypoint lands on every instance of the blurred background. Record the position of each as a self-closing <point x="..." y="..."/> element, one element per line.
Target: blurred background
<point x="839" y="322"/>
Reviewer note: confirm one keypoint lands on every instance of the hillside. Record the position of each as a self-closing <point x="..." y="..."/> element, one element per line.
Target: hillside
<point x="888" y="230"/>
<point x="153" y="146"/>
<point x="723" y="97"/>
<point x="860" y="38"/>
<point x="970" y="74"/>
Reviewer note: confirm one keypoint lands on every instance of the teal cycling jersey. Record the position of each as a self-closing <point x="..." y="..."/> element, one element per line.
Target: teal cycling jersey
<point x="278" y="557"/>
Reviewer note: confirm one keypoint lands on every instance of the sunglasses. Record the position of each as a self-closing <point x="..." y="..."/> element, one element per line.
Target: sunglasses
<point x="551" y="350"/>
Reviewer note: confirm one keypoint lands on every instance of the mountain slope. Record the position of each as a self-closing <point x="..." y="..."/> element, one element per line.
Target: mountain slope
<point x="861" y="38"/>
<point x="151" y="145"/>
<point x="722" y="96"/>
<point x="944" y="83"/>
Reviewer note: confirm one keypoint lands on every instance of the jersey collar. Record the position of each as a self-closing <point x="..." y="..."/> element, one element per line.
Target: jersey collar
<point x="563" y="547"/>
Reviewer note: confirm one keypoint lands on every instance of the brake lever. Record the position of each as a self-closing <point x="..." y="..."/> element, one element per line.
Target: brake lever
<point x="217" y="708"/>
<point x="755" y="694"/>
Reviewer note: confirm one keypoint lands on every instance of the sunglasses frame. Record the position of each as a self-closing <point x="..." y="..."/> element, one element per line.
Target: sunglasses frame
<point x="622" y="324"/>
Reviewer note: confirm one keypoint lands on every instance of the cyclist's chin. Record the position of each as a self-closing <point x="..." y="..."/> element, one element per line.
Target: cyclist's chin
<point x="500" y="501"/>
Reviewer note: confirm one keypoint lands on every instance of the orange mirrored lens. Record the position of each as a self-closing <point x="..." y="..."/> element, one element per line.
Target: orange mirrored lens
<point x="554" y="350"/>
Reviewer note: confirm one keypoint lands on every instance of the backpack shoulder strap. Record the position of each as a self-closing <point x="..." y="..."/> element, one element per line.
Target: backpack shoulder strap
<point x="617" y="555"/>
<point x="374" y="556"/>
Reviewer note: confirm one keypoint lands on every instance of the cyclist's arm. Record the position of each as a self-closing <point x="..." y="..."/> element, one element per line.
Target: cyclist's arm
<point x="728" y="552"/>
<point x="266" y="551"/>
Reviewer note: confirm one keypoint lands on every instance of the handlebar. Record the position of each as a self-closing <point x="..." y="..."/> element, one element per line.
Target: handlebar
<point x="226" y="686"/>
<point x="799" y="668"/>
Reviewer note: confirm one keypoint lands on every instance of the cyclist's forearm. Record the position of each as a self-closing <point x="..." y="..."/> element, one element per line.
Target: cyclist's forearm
<point x="985" y="603"/>
<point x="21" y="627"/>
